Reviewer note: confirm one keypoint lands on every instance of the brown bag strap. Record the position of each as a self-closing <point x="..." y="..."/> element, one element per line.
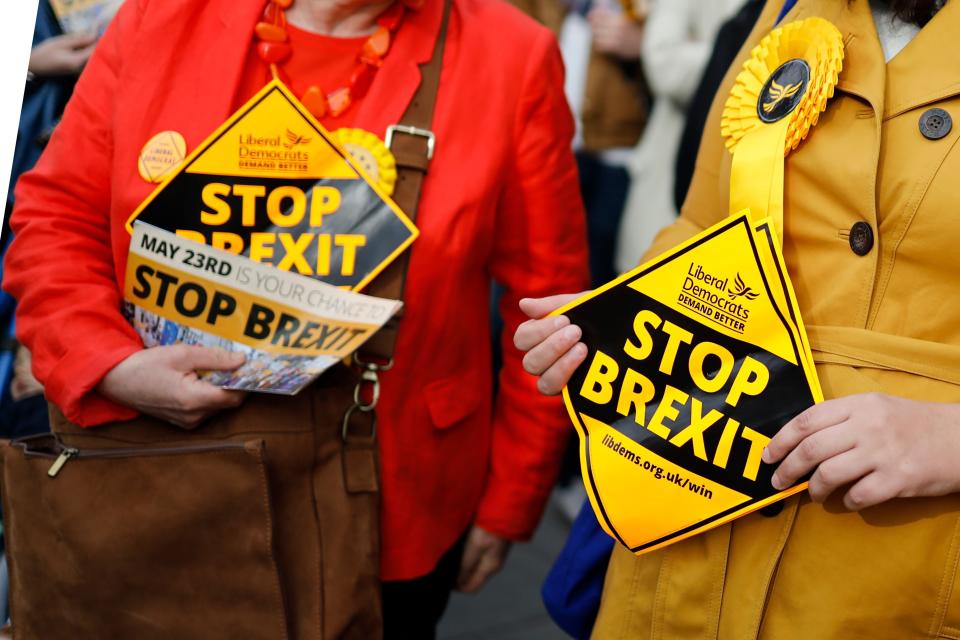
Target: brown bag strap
<point x="412" y="143"/>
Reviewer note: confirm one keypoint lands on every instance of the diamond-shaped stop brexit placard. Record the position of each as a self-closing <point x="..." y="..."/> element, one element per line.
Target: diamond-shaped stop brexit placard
<point x="271" y="184"/>
<point x="695" y="361"/>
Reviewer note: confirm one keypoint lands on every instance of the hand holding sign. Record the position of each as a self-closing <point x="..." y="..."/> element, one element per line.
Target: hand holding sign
<point x="880" y="446"/>
<point x="290" y="327"/>
<point x="552" y="343"/>
<point x="697" y="359"/>
<point x="162" y="382"/>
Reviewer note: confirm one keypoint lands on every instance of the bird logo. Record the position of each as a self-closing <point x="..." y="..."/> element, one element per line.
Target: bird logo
<point x="741" y="289"/>
<point x="778" y="93"/>
<point x="294" y="139"/>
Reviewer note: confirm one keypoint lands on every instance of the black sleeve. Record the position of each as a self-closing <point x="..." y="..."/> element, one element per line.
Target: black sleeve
<point x="730" y="39"/>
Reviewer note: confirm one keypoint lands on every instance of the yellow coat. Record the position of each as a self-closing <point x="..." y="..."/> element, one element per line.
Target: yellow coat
<point x="888" y="321"/>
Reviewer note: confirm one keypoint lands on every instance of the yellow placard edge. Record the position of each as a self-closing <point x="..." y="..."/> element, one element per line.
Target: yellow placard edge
<point x="791" y="298"/>
<point x="277" y="85"/>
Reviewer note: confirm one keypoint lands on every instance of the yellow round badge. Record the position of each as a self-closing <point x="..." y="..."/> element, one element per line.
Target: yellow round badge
<point x="161" y="156"/>
<point x="372" y="154"/>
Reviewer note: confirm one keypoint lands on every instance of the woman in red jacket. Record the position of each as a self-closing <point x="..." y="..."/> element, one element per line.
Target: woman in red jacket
<point x="500" y="202"/>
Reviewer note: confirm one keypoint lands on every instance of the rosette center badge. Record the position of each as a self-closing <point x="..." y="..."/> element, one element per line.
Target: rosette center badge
<point x="783" y="91"/>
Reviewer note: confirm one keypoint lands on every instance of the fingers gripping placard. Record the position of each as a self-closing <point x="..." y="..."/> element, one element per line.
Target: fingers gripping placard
<point x="695" y="361"/>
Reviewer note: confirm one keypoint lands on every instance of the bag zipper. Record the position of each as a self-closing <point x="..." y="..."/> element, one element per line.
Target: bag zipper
<point x="68" y="453"/>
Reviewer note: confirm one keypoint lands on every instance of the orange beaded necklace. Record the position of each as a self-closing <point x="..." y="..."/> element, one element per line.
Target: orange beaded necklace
<point x="274" y="48"/>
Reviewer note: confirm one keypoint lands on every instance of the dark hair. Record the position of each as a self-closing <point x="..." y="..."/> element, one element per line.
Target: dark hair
<point x="918" y="12"/>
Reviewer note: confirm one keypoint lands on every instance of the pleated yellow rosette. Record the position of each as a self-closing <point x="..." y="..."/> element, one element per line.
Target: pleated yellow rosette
<point x="372" y="154"/>
<point x="775" y="102"/>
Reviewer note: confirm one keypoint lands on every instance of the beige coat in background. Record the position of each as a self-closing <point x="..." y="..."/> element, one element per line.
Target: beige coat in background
<point x="678" y="43"/>
<point x="614" y="112"/>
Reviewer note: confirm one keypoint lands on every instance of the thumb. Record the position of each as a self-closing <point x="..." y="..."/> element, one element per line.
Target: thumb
<point x="209" y="358"/>
<point x="537" y="308"/>
<point x="468" y="564"/>
<point x="79" y="40"/>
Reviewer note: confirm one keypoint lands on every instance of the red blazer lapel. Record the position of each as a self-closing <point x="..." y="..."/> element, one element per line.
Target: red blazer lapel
<point x="177" y="81"/>
<point x="398" y="79"/>
<point x="216" y="77"/>
<point x="199" y="91"/>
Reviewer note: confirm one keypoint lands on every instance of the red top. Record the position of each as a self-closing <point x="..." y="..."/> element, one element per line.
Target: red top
<point x="501" y="201"/>
<point x="319" y="60"/>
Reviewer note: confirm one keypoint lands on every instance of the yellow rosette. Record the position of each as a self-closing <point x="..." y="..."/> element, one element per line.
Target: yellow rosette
<point x="372" y="154"/>
<point x="775" y="102"/>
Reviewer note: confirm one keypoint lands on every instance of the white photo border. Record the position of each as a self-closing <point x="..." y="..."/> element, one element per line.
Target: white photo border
<point x="16" y="37"/>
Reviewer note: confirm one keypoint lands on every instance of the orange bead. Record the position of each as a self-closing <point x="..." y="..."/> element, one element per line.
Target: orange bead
<point x="339" y="101"/>
<point x="274" y="52"/>
<point x="378" y="44"/>
<point x="376" y="62"/>
<point x="314" y="102"/>
<point x="282" y="75"/>
<point x="270" y="32"/>
<point x="275" y="15"/>
<point x="361" y="79"/>
<point x="392" y="16"/>
<point x="283" y="4"/>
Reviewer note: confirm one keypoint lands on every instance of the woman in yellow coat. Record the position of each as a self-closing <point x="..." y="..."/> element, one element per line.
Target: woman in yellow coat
<point x="872" y="244"/>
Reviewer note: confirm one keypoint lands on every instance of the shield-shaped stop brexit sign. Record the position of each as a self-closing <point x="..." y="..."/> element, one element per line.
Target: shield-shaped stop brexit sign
<point x="696" y="359"/>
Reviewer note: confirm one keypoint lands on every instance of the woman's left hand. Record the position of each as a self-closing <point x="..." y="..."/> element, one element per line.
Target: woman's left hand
<point x="483" y="555"/>
<point x="885" y="447"/>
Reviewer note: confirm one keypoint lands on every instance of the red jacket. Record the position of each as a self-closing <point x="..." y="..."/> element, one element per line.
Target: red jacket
<point x="501" y="201"/>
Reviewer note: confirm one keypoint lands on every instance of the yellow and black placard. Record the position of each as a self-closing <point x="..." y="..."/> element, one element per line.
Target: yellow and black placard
<point x="696" y="360"/>
<point x="271" y="184"/>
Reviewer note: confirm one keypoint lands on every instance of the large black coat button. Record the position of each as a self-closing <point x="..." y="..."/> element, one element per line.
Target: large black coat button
<point x="861" y="238"/>
<point x="935" y="124"/>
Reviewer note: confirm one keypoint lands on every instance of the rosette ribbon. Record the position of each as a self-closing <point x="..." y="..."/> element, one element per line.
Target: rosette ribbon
<point x="776" y="100"/>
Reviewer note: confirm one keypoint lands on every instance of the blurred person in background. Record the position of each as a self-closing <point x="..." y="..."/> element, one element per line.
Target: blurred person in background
<point x="600" y="41"/>
<point x="676" y="48"/>
<point x="729" y="40"/>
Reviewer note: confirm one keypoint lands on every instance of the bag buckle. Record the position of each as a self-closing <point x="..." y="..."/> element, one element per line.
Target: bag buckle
<point x="366" y="394"/>
<point x="412" y="131"/>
